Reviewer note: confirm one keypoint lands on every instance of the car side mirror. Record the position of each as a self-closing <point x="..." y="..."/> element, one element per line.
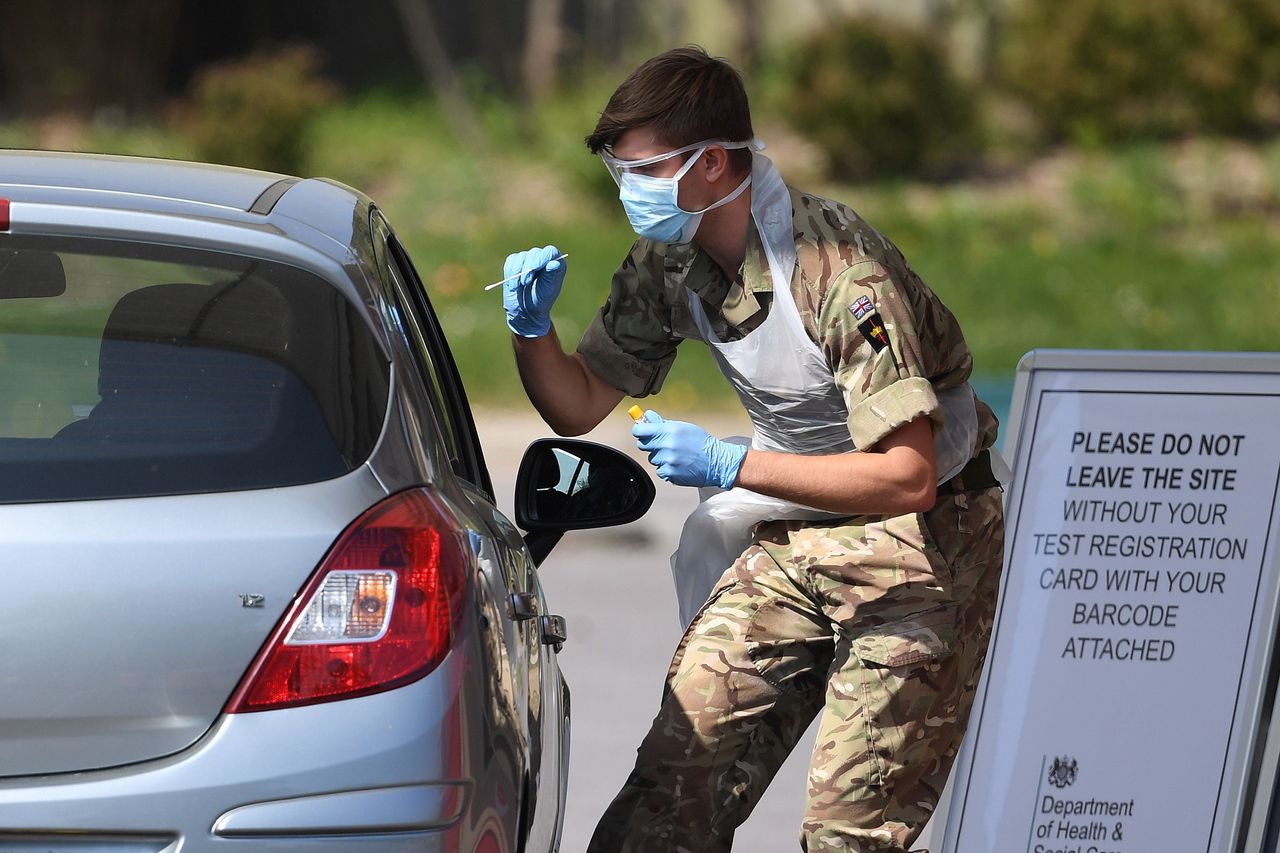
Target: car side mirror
<point x="565" y="484"/>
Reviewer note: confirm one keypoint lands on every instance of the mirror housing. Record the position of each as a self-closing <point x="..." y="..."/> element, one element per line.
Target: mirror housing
<point x="566" y="484"/>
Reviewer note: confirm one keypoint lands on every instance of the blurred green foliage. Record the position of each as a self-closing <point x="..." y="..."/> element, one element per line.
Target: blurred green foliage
<point x="880" y="99"/>
<point x="1099" y="70"/>
<point x="255" y="111"/>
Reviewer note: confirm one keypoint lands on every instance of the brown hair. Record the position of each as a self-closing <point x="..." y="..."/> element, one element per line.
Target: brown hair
<point x="686" y="96"/>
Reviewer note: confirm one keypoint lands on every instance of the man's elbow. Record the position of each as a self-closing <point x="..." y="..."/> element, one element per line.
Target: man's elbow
<point x="910" y="468"/>
<point x="575" y="421"/>
<point x="568" y="430"/>
<point x="567" y="426"/>
<point x="923" y="499"/>
<point x="919" y="488"/>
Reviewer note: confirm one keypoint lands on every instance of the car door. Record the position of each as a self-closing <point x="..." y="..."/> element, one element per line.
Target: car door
<point x="535" y="671"/>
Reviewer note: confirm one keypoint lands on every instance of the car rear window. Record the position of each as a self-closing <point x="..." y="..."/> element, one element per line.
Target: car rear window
<point x="131" y="370"/>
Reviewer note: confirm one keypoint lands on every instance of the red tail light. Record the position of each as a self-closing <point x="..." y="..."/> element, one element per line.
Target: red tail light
<point x="4" y="214"/>
<point x="380" y="612"/>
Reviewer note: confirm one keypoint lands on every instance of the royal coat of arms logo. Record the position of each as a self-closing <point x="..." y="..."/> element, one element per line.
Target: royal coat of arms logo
<point x="1063" y="772"/>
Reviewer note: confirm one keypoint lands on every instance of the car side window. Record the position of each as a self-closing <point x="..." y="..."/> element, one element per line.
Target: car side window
<point x="439" y="373"/>
<point x="132" y="369"/>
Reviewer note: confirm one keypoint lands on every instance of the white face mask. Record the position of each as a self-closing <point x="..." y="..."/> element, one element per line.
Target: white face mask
<point x="653" y="204"/>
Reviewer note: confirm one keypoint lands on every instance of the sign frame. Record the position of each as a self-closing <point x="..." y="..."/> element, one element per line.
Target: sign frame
<point x="1250" y="810"/>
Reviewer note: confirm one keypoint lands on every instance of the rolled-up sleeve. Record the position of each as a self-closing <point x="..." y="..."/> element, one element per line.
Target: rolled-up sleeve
<point x="629" y="344"/>
<point x="870" y="340"/>
<point x="874" y="417"/>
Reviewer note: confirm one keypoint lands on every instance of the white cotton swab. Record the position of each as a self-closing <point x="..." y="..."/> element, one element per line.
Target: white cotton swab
<point x="522" y="272"/>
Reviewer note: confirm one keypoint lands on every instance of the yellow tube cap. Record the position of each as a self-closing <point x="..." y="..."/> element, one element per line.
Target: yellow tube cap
<point x="636" y="413"/>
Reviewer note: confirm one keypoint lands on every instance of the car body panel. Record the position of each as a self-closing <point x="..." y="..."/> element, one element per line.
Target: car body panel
<point x="400" y="808"/>
<point x="366" y="744"/>
<point x="143" y="666"/>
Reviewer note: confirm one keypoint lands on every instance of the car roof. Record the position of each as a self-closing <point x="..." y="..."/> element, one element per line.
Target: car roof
<point x="175" y="180"/>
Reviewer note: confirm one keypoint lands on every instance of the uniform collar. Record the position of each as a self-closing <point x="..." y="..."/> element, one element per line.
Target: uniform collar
<point x="735" y="297"/>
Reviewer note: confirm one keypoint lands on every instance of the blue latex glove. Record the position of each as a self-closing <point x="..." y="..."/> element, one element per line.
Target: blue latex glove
<point x="528" y="298"/>
<point x="688" y="455"/>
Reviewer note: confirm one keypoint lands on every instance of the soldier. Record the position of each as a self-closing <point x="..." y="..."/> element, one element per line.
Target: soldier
<point x="867" y="592"/>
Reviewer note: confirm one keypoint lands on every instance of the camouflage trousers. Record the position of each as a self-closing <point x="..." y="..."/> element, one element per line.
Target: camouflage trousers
<point x="880" y="624"/>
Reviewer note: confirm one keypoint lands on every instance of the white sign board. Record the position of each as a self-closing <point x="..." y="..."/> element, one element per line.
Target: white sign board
<point x="1124" y="687"/>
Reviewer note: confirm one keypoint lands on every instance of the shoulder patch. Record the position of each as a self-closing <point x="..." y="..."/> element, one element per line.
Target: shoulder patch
<point x="861" y="307"/>
<point x="872" y="329"/>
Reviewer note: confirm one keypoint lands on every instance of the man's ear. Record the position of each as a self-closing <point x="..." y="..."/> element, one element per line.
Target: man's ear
<point x="716" y="160"/>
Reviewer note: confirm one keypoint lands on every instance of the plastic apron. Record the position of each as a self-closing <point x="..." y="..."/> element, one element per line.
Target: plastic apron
<point x="795" y="405"/>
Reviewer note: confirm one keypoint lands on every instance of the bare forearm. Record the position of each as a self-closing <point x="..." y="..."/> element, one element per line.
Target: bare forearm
<point x="568" y="396"/>
<point x="897" y="479"/>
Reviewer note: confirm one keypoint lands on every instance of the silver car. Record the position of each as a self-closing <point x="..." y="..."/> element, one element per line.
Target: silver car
<point x="256" y="592"/>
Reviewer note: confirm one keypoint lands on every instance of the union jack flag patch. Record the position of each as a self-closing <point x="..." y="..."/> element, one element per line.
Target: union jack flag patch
<point x="862" y="307"/>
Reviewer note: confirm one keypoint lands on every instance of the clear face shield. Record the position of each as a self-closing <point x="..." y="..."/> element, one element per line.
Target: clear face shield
<point x="617" y="168"/>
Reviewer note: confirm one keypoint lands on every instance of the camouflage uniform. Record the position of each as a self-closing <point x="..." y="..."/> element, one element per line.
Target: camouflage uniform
<point x="881" y="623"/>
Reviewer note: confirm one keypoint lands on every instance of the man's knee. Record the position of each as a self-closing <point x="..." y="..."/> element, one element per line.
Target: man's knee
<point x="893" y="725"/>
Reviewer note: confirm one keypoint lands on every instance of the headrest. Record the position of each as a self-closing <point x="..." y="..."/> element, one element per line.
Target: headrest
<point x="31" y="274"/>
<point x="162" y="313"/>
<point x="248" y="317"/>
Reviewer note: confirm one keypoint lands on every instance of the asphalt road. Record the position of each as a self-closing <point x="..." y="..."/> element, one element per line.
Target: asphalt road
<point x="614" y="588"/>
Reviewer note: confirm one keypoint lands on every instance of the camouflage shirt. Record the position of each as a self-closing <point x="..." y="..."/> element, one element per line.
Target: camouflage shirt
<point x="890" y="342"/>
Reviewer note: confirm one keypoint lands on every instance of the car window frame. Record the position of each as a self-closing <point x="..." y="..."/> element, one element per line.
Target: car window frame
<point x="431" y="354"/>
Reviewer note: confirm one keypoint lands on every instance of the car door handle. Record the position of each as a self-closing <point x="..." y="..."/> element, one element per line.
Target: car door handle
<point x="554" y="631"/>
<point x="524" y="606"/>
